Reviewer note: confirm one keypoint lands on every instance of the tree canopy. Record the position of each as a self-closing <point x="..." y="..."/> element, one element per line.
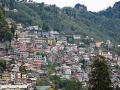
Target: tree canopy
<point x="100" y="75"/>
<point x="5" y="33"/>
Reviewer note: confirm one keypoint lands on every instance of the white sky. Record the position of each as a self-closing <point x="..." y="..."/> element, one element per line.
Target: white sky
<point x="92" y="5"/>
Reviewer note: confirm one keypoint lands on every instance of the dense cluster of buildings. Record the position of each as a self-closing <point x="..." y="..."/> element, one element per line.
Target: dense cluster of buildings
<point x="32" y="49"/>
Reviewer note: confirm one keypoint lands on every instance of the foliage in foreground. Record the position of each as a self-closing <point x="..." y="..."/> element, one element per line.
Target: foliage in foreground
<point x="66" y="84"/>
<point x="100" y="77"/>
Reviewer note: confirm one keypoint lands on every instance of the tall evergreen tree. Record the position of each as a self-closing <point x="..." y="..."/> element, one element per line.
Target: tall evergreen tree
<point x="100" y="77"/>
<point x="13" y="28"/>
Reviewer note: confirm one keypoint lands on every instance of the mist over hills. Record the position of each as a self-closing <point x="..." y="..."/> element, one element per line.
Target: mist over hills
<point x="101" y="25"/>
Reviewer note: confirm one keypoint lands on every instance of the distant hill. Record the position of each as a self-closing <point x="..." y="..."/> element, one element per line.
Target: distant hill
<point x="102" y="25"/>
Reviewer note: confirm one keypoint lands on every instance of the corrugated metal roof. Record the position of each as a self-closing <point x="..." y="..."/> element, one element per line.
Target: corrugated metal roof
<point x="42" y="87"/>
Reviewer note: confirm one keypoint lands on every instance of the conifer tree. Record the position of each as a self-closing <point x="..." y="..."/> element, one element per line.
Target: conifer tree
<point x="100" y="75"/>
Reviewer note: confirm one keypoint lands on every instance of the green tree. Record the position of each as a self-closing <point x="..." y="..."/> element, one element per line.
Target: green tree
<point x="46" y="27"/>
<point x="8" y="36"/>
<point x="72" y="85"/>
<point x="100" y="77"/>
<point x="22" y="69"/>
<point x="13" y="28"/>
<point x="66" y="84"/>
<point x="12" y="61"/>
<point x="117" y="50"/>
<point x="5" y="33"/>
<point x="42" y="82"/>
<point x="2" y="65"/>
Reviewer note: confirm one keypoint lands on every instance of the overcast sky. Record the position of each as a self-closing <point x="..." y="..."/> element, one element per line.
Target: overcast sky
<point x="92" y="5"/>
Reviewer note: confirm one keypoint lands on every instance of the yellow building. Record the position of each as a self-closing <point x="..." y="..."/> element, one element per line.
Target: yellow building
<point x="6" y="76"/>
<point x="19" y="26"/>
<point x="51" y="42"/>
<point x="98" y="44"/>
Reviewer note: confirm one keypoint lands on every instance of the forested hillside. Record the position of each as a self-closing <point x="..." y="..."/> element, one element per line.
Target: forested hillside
<point x="102" y="25"/>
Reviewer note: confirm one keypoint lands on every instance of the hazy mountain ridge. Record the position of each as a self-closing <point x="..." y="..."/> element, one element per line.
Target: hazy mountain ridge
<point x="101" y="25"/>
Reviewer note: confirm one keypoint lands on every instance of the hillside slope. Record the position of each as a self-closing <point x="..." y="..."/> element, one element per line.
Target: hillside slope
<point x="102" y="25"/>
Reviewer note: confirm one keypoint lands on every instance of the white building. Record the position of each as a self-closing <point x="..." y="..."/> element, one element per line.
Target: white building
<point x="13" y="87"/>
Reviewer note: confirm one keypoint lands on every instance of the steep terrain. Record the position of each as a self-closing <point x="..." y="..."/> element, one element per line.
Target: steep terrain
<point x="102" y="25"/>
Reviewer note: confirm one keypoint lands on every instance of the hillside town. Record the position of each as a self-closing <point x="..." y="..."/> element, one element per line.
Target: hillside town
<point x="35" y="54"/>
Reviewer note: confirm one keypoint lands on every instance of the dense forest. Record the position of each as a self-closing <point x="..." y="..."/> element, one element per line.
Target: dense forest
<point x="101" y="25"/>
